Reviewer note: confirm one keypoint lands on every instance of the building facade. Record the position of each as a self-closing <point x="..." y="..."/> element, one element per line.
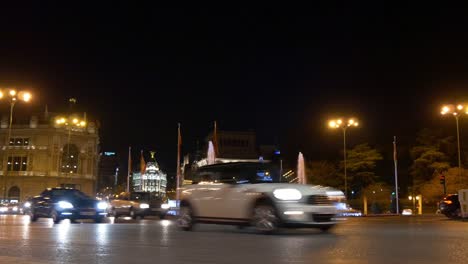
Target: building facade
<point x="108" y="173"/>
<point x="47" y="153"/>
<point x="152" y="180"/>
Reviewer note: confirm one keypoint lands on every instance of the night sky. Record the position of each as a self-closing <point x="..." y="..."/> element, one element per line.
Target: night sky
<point x="281" y="71"/>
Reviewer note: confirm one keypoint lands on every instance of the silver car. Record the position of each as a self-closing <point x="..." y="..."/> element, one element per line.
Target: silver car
<point x="250" y="194"/>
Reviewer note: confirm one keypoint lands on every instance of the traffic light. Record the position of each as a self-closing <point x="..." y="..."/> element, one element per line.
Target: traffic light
<point x="442" y="179"/>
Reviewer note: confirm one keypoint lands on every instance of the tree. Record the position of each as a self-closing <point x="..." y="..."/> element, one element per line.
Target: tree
<point x="433" y="191"/>
<point x="378" y="196"/>
<point x="361" y="163"/>
<point x="323" y="173"/>
<point x="431" y="155"/>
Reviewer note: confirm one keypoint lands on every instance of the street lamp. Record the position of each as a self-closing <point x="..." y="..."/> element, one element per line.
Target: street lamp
<point x="456" y="111"/>
<point x="339" y="123"/>
<point x="70" y="123"/>
<point x="12" y="96"/>
<point x="414" y="199"/>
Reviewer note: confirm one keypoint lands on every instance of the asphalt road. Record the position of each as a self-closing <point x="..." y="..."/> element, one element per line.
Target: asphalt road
<point x="425" y="239"/>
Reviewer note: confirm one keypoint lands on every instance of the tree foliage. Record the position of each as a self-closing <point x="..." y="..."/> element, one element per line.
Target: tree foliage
<point x="431" y="156"/>
<point x="433" y="190"/>
<point x="361" y="163"/>
<point x="324" y="173"/>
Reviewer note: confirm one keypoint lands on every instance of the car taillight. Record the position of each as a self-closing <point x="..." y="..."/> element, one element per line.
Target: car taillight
<point x="448" y="202"/>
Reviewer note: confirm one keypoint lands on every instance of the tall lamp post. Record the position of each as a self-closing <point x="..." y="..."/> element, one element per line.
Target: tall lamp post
<point x="456" y="111"/>
<point x="12" y="96"/>
<point x="339" y="123"/>
<point x="70" y="123"/>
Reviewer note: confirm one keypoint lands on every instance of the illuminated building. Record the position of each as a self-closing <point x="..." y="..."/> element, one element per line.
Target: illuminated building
<point x="152" y="180"/>
<point x="45" y="153"/>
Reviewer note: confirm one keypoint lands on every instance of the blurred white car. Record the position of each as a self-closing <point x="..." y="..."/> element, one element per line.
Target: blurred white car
<point x="246" y="194"/>
<point x="407" y="212"/>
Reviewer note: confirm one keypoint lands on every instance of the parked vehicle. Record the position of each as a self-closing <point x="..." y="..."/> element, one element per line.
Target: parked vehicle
<point x="250" y="194"/>
<point x="65" y="203"/>
<point x="450" y="206"/>
<point x="138" y="204"/>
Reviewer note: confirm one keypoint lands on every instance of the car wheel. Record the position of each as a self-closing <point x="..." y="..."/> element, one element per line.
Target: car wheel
<point x="132" y="214"/>
<point x="114" y="213"/>
<point x="99" y="219"/>
<point x="32" y="216"/>
<point x="55" y="217"/>
<point x="162" y="216"/>
<point x="326" y="228"/>
<point x="265" y="219"/>
<point x="185" y="219"/>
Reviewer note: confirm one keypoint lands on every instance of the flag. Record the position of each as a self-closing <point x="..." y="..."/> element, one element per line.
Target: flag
<point x="179" y="137"/>
<point x="129" y="169"/>
<point x="179" y="143"/>
<point x="142" y="163"/>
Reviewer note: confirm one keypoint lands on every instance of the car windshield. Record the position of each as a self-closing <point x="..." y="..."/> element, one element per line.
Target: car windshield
<point x="144" y="196"/>
<point x="69" y="193"/>
<point x="239" y="173"/>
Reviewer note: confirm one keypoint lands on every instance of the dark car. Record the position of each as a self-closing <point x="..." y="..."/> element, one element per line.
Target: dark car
<point x="65" y="203"/>
<point x="450" y="206"/>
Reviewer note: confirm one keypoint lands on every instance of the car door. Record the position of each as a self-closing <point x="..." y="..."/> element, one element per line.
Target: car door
<point x="40" y="203"/>
<point x="205" y="194"/>
<point x="236" y="202"/>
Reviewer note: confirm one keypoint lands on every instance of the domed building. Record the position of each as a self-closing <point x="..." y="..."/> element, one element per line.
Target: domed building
<point x="152" y="180"/>
<point x="48" y="151"/>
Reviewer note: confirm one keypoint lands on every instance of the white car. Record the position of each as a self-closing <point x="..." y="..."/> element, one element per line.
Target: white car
<point x="246" y="194"/>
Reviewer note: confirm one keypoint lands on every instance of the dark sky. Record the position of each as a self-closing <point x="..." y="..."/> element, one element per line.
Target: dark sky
<point x="279" y="70"/>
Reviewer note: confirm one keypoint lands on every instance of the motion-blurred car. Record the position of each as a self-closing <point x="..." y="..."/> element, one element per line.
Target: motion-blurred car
<point x="11" y="208"/>
<point x="138" y="204"/>
<point x="450" y="206"/>
<point x="407" y="212"/>
<point x="249" y="193"/>
<point x="65" y="203"/>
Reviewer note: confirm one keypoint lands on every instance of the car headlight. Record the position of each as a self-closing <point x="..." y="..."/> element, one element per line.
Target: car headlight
<point x="144" y="205"/>
<point x="27" y="204"/>
<point x="102" y="206"/>
<point x="3" y="209"/>
<point x="65" y="205"/>
<point x="287" y="194"/>
<point x="15" y="208"/>
<point x="165" y="206"/>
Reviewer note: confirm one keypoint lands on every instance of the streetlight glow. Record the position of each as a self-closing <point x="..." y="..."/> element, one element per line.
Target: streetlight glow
<point x="26" y="97"/>
<point x="338" y="123"/>
<point x="10" y="96"/>
<point x="456" y="111"/>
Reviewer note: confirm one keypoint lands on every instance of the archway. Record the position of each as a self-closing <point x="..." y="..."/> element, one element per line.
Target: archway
<point x="14" y="193"/>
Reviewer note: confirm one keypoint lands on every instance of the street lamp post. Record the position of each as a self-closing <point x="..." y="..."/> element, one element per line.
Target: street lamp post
<point x="338" y="123"/>
<point x="456" y="111"/>
<point x="12" y="96"/>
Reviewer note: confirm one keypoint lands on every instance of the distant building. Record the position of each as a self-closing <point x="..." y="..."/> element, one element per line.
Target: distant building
<point x="46" y="153"/>
<point x="108" y="172"/>
<point x="234" y="146"/>
<point x="152" y="180"/>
